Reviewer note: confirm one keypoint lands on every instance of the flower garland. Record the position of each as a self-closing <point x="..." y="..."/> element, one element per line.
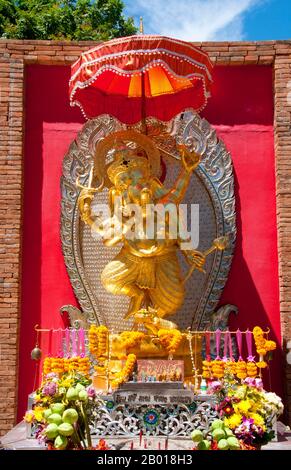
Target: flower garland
<point x="252" y="369"/>
<point x="263" y="346"/>
<point x="241" y="369"/>
<point x="217" y="368"/>
<point x="98" y="340"/>
<point x="206" y="369"/>
<point x="61" y="365"/>
<point x="131" y="339"/>
<point x="126" y="371"/>
<point x="170" y="339"/>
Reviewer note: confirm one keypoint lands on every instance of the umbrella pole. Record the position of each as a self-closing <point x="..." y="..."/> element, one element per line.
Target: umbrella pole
<point x="143" y="110"/>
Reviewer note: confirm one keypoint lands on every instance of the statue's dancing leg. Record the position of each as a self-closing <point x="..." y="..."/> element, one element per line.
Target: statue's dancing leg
<point x="168" y="295"/>
<point x="119" y="278"/>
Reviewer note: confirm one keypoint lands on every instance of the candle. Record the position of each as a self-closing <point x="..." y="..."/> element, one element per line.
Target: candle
<point x="166" y="443"/>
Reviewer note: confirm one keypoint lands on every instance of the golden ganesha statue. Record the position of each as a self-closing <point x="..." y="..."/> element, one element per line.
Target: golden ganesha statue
<point x="143" y="216"/>
<point x="146" y="269"/>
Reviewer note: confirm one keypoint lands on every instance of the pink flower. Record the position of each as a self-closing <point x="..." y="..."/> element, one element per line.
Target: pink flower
<point x="215" y="386"/>
<point x="50" y="389"/>
<point x="51" y="375"/>
<point x="259" y="384"/>
<point x="91" y="392"/>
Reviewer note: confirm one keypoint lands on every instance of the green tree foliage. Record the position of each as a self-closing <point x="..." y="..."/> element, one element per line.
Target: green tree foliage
<point x="67" y="19"/>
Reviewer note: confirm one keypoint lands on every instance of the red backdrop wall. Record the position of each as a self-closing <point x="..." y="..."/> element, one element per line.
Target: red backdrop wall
<point x="241" y="109"/>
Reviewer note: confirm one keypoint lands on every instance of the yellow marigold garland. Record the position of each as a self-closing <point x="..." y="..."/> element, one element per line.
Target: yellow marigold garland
<point x="98" y="340"/>
<point x="125" y="372"/>
<point x="241" y="369"/>
<point x="170" y="339"/>
<point x="263" y="346"/>
<point x="46" y="368"/>
<point x="252" y="370"/>
<point x="60" y="365"/>
<point x="131" y="339"/>
<point x="217" y="367"/>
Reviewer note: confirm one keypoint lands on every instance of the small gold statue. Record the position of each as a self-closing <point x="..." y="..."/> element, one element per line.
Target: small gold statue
<point x="146" y="269"/>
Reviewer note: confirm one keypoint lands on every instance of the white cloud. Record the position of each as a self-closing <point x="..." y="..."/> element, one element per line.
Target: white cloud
<point x="192" y="20"/>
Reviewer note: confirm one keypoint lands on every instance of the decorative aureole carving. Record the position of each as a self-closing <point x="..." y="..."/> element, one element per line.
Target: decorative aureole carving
<point x="211" y="187"/>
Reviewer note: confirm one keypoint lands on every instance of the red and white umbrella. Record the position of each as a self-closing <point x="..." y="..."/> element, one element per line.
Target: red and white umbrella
<point x="141" y="76"/>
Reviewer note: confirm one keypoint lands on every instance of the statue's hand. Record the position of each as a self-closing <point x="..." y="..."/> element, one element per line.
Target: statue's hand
<point x="189" y="159"/>
<point x="197" y="259"/>
<point x="84" y="203"/>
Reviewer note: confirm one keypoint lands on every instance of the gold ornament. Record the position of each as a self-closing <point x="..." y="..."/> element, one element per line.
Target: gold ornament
<point x="36" y="353"/>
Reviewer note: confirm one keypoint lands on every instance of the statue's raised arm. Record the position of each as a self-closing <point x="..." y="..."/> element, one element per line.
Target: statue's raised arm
<point x="190" y="161"/>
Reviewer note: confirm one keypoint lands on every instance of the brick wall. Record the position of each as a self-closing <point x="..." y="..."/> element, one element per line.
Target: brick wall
<point x="14" y="55"/>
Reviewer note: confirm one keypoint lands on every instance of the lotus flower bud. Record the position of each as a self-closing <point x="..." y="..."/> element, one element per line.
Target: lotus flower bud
<point x="197" y="435"/>
<point x="60" y="442"/>
<point x="70" y="416"/>
<point x="72" y="394"/>
<point x="233" y="443"/>
<point x="218" y="434"/>
<point x="223" y="444"/>
<point x="204" y="445"/>
<point x="228" y="432"/>
<point x="58" y="408"/>
<point x="55" y="418"/>
<point x="83" y="395"/>
<point x="66" y="429"/>
<point x="51" y="431"/>
<point x="216" y="424"/>
<point x="79" y="387"/>
<point x="46" y="414"/>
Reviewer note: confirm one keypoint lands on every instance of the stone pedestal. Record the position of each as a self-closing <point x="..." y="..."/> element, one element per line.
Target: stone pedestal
<point x="156" y="409"/>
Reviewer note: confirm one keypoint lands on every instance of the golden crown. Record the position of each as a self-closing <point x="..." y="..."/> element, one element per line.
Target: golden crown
<point x="126" y="159"/>
<point x="146" y="155"/>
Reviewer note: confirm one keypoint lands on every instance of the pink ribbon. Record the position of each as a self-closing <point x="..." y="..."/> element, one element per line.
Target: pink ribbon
<point x="239" y="344"/>
<point x="217" y="340"/>
<point x="73" y="342"/>
<point x="82" y="350"/>
<point x="228" y="353"/>
<point x="230" y="347"/>
<point x="60" y="345"/>
<point x="226" y="339"/>
<point x="67" y="337"/>
<point x="249" y="338"/>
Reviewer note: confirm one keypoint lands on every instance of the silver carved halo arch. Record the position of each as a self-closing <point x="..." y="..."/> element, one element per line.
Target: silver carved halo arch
<point x="211" y="187"/>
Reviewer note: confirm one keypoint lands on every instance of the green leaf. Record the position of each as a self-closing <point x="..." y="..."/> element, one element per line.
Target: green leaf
<point x="64" y="19"/>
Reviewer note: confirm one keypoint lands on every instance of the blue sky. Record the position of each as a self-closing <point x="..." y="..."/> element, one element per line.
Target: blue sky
<point x="214" y="20"/>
